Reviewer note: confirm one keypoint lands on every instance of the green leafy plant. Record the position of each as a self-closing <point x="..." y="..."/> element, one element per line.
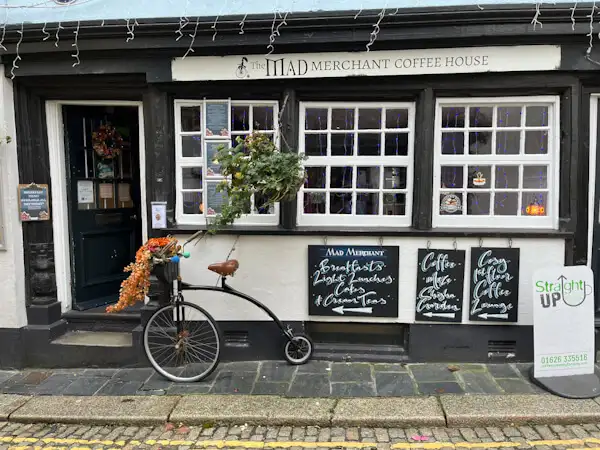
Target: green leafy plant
<point x="255" y="166"/>
<point x="5" y="140"/>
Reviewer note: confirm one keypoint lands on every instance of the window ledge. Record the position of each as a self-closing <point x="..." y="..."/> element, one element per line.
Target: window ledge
<point x="372" y="231"/>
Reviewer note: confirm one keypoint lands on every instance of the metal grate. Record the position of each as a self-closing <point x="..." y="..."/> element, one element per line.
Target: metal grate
<point x="236" y="338"/>
<point x="502" y="349"/>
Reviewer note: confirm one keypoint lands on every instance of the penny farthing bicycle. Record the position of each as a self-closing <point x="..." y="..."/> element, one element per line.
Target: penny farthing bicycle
<point x="182" y="340"/>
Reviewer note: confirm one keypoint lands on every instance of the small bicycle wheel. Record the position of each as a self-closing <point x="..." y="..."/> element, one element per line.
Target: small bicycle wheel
<point x="182" y="342"/>
<point x="299" y="349"/>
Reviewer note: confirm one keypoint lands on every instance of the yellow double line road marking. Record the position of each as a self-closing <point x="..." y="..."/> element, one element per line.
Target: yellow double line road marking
<point x="86" y="444"/>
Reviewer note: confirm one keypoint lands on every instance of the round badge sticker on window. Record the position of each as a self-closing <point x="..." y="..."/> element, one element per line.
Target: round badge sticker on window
<point x="450" y="204"/>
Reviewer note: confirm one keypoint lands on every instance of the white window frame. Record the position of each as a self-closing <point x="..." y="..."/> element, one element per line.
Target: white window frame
<point x="552" y="158"/>
<point x="181" y="162"/>
<point x="353" y="220"/>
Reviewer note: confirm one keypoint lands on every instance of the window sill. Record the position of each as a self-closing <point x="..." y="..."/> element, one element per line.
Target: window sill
<point x="373" y="231"/>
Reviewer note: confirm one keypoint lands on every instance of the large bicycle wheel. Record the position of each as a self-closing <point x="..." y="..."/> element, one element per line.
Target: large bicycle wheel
<point x="182" y="342"/>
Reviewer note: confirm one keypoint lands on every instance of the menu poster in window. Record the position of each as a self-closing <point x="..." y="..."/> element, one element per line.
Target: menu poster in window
<point x="353" y="281"/>
<point x="85" y="192"/>
<point x="494" y="284"/>
<point x="217" y="119"/>
<point x="214" y="199"/>
<point x="212" y="147"/>
<point x="33" y="202"/>
<point x="440" y="285"/>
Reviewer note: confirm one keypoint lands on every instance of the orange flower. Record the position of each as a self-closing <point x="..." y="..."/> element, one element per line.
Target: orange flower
<point x="135" y="288"/>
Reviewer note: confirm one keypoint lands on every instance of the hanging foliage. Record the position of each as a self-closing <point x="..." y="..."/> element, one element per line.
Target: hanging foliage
<point x="255" y="167"/>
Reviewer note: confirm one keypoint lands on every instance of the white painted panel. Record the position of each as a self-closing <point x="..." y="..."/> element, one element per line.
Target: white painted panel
<point x="12" y="277"/>
<point x="274" y="270"/>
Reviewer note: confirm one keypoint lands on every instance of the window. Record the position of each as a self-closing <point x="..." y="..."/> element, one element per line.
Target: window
<point x="496" y="162"/>
<point x="360" y="164"/>
<point x="202" y="127"/>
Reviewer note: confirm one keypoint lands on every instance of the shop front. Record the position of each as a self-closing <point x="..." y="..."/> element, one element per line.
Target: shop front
<point x="439" y="176"/>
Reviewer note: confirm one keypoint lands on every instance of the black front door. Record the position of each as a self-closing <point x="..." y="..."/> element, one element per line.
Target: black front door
<point x="104" y="199"/>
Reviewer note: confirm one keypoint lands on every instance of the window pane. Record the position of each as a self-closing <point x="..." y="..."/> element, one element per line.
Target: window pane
<point x="191" y="118"/>
<point x="315" y="177"/>
<point x="453" y="117"/>
<point x="215" y="199"/>
<point x="451" y="203"/>
<point x="506" y="203"/>
<point x="191" y="146"/>
<point x="452" y="177"/>
<point x="480" y="143"/>
<point x="192" y="203"/>
<point x="480" y="117"/>
<point x="262" y="116"/>
<point x="508" y="142"/>
<point x="240" y="118"/>
<point x="342" y="144"/>
<point x="342" y="119"/>
<point x="367" y="178"/>
<point x="394" y="204"/>
<point x="478" y="204"/>
<point x="480" y="177"/>
<point x="340" y="203"/>
<point x="316" y="119"/>
<point x="453" y="143"/>
<point x="369" y="144"/>
<point x="534" y="204"/>
<point x="341" y="177"/>
<point x="235" y="139"/>
<point x="315" y="145"/>
<point x="192" y="177"/>
<point x="509" y="116"/>
<point x="396" y="118"/>
<point x="314" y="203"/>
<point x="261" y="205"/>
<point x="507" y="177"/>
<point x="537" y="116"/>
<point x="369" y="119"/>
<point x="367" y="203"/>
<point x="536" y="142"/>
<point x="396" y="144"/>
<point x="394" y="178"/>
<point x="535" y="177"/>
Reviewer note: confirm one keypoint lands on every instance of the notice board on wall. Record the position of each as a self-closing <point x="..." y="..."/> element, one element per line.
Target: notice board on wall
<point x="353" y="280"/>
<point x="494" y="284"/>
<point x="33" y="202"/>
<point x="440" y="285"/>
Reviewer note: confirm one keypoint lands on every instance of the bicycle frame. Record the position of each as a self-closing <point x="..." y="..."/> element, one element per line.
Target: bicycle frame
<point x="179" y="286"/>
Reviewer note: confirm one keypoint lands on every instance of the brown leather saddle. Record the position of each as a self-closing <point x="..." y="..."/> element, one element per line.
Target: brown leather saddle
<point x="225" y="269"/>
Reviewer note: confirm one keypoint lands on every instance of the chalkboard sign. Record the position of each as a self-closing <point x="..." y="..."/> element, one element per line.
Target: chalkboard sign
<point x="494" y="284"/>
<point x="33" y="202"/>
<point x="214" y="199"/>
<point x="212" y="147"/>
<point x="217" y="119"/>
<point x="440" y="281"/>
<point x="353" y="281"/>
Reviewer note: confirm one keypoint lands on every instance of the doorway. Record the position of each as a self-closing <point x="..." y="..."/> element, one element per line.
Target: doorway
<point x="102" y="149"/>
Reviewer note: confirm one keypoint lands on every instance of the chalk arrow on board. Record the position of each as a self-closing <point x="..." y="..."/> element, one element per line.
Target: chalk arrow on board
<point x="487" y="316"/>
<point x="449" y="315"/>
<point x="341" y="310"/>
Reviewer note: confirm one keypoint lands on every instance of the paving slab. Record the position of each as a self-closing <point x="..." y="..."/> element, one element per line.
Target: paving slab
<point x="10" y="403"/>
<point x="495" y="410"/>
<point x="98" y="410"/>
<point x="252" y="410"/>
<point x="389" y="412"/>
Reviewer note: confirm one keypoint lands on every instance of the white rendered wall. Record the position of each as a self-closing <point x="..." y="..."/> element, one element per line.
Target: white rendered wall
<point x="12" y="278"/>
<point x="274" y="270"/>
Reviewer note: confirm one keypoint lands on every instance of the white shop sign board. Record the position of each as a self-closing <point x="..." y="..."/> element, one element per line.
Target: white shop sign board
<point x="523" y="58"/>
<point x="563" y="321"/>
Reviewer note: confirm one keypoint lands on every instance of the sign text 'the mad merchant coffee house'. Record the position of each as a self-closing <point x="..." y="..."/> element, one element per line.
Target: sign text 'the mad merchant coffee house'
<point x="375" y="63"/>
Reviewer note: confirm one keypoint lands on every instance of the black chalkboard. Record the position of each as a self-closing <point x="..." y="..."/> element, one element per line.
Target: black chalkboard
<point x="494" y="284"/>
<point x="217" y="119"/>
<point x="353" y="281"/>
<point x="33" y="202"/>
<point x="440" y="281"/>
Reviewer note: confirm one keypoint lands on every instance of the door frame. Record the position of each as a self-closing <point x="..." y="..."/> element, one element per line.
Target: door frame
<point x="594" y="103"/>
<point x="58" y="174"/>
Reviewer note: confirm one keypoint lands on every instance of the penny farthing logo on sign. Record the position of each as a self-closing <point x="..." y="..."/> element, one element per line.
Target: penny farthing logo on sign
<point x="65" y="2"/>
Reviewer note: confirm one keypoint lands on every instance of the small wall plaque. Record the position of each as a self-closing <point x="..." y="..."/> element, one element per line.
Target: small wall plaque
<point x="33" y="202"/>
<point x="159" y="215"/>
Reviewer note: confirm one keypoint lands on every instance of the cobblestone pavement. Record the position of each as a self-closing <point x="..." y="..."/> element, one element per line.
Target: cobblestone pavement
<point x="179" y="437"/>
<point x="315" y="379"/>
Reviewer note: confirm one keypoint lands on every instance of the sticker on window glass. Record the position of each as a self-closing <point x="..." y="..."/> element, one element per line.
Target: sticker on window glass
<point x="450" y="204"/>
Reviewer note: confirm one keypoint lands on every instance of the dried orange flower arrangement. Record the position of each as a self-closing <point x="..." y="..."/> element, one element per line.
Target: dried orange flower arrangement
<point x="135" y="287"/>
